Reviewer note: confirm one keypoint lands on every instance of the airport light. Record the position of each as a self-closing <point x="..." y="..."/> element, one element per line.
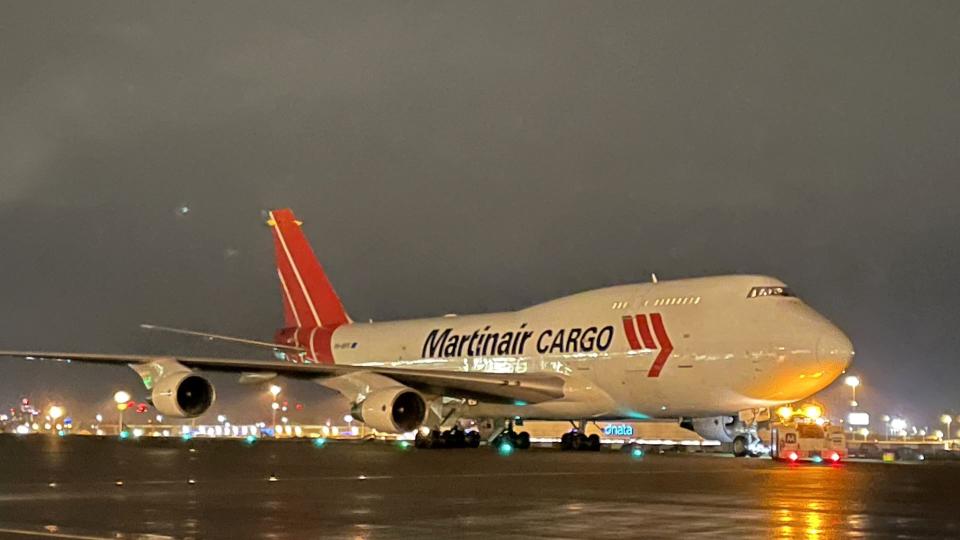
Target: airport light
<point x="275" y="407"/>
<point x="812" y="411"/>
<point x="121" y="398"/>
<point x="899" y="426"/>
<point x="275" y="390"/>
<point x="853" y="382"/>
<point x="785" y="412"/>
<point x="947" y="419"/>
<point x="56" y="412"/>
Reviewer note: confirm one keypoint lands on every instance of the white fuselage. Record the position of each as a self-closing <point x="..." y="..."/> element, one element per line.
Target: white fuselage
<point x="724" y="344"/>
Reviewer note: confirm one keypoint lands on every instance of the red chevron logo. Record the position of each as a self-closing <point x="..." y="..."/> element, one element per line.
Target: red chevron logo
<point x="630" y="327"/>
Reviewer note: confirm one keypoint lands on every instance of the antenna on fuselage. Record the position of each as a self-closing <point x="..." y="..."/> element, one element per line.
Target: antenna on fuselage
<point x="653" y="278"/>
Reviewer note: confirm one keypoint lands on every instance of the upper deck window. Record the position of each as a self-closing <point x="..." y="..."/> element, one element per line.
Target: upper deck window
<point x="775" y="290"/>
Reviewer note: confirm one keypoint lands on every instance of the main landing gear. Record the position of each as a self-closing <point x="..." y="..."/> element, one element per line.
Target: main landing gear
<point x="577" y="439"/>
<point x="574" y="440"/>
<point x="520" y="441"/>
<point x="449" y="438"/>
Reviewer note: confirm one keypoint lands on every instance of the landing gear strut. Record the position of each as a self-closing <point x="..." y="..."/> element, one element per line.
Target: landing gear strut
<point x="450" y="438"/>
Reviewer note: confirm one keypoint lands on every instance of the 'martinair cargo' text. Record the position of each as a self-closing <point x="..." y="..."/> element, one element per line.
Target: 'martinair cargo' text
<point x="445" y="344"/>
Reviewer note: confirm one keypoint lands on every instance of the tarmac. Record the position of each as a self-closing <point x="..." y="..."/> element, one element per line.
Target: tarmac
<point x="97" y="488"/>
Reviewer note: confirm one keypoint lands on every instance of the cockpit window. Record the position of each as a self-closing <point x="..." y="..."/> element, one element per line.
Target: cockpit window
<point x="776" y="290"/>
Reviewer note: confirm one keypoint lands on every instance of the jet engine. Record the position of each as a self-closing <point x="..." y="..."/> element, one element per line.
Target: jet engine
<point x="394" y="410"/>
<point x="715" y="428"/>
<point x="183" y="394"/>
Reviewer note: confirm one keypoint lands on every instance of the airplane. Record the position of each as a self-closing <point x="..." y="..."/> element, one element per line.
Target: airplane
<point x="715" y="353"/>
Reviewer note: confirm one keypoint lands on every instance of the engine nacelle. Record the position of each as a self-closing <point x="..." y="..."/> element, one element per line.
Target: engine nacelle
<point x="716" y="428"/>
<point x="393" y="410"/>
<point x="183" y="394"/>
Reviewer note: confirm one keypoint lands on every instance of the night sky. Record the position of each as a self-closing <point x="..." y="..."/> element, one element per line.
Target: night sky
<point x="474" y="156"/>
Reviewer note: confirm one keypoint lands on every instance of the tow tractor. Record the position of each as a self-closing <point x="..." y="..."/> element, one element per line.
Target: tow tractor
<point x="803" y="434"/>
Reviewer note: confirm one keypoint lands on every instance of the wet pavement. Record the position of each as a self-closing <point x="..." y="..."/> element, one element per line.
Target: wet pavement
<point x="81" y="487"/>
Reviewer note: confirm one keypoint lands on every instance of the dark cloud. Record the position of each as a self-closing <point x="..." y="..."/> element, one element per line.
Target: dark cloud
<point x="479" y="156"/>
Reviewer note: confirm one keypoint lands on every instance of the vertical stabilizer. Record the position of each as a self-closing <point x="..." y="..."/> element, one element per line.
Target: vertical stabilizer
<point x="309" y="300"/>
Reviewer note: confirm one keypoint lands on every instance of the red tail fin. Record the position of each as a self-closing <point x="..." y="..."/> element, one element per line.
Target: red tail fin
<point x="309" y="300"/>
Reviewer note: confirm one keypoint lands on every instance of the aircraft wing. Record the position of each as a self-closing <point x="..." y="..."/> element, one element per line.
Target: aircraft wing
<point x="227" y="339"/>
<point x="499" y="387"/>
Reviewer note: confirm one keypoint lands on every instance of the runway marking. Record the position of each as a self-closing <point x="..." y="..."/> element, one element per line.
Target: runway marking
<point x="44" y="534"/>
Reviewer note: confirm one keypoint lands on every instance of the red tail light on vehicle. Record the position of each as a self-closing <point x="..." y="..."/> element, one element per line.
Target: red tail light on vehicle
<point x="834" y="457"/>
<point x="792" y="456"/>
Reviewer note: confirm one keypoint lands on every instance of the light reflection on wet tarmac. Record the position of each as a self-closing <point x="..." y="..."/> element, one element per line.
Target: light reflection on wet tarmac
<point x="544" y="493"/>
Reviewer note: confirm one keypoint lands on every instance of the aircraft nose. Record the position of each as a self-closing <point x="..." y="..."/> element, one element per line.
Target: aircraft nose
<point x="835" y="349"/>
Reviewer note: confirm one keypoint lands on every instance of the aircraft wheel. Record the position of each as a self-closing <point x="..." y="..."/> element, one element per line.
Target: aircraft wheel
<point x="579" y="442"/>
<point x="523" y="440"/>
<point x="566" y="441"/>
<point x="740" y="446"/>
<point x="421" y="440"/>
<point x="453" y="438"/>
<point x="593" y="442"/>
<point x="472" y="439"/>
